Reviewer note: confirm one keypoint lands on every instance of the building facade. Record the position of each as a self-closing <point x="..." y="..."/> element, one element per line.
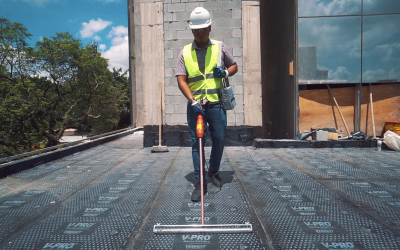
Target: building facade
<point x="159" y="30"/>
<point x="289" y="53"/>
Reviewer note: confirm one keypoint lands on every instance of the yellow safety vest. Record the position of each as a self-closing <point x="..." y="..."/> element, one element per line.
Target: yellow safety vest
<point x="203" y="85"/>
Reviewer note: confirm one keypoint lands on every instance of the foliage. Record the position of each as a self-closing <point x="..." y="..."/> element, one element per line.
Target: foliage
<point x="56" y="85"/>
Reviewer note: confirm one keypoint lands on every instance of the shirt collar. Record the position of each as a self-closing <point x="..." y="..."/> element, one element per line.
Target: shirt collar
<point x="194" y="45"/>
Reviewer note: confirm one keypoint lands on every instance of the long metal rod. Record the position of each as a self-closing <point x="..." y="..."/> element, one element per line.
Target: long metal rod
<point x="201" y="180"/>
<point x="207" y="228"/>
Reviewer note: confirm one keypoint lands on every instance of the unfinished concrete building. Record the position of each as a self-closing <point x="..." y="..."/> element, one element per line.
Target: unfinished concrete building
<point x="289" y="54"/>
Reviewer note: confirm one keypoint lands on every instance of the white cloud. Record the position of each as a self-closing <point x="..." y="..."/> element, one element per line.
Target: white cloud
<point x="380" y="73"/>
<point x="102" y="47"/>
<point x="338" y="7"/>
<point x="383" y="62"/>
<point x="89" y="29"/>
<point x="329" y="7"/>
<point x="388" y="52"/>
<point x="97" y="38"/>
<point x="118" y="54"/>
<point x="116" y="41"/>
<point x="118" y="31"/>
<point x="374" y="75"/>
<point x="340" y="73"/>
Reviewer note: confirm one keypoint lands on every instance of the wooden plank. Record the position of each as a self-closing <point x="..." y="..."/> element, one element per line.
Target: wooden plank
<point x="332" y="136"/>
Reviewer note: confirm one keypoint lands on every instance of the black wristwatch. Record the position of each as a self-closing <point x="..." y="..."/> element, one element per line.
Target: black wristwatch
<point x="193" y="99"/>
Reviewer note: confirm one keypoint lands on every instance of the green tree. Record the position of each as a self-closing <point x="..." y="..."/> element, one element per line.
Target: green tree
<point x="15" y="58"/>
<point x="57" y="85"/>
<point x="122" y="81"/>
<point x="86" y="95"/>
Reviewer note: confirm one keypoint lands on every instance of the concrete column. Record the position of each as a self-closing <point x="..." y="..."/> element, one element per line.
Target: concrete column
<point x="148" y="61"/>
<point x="132" y="67"/>
<point x="251" y="63"/>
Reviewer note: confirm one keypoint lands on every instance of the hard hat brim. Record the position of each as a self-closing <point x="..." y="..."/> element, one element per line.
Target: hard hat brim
<point x="199" y="26"/>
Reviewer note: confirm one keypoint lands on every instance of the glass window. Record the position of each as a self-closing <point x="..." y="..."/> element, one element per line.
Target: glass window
<point x="329" y="50"/>
<point x="381" y="6"/>
<point x="381" y="48"/>
<point x="329" y="7"/>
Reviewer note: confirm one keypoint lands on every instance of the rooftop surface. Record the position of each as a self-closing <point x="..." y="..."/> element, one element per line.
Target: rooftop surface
<point x="111" y="196"/>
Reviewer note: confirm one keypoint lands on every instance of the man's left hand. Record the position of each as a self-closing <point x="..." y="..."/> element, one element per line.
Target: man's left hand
<point x="220" y="72"/>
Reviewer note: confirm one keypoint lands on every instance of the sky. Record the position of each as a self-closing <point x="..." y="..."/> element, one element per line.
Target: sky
<point x="103" y="21"/>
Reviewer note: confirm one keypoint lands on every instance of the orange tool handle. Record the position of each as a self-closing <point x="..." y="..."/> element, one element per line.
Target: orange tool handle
<point x="200" y="126"/>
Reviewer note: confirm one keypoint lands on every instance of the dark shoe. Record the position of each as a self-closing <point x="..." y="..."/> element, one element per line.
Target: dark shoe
<point x="196" y="194"/>
<point x="215" y="179"/>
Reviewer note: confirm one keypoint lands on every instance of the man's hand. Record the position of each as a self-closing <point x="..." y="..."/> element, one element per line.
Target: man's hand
<point x="197" y="109"/>
<point x="220" y="72"/>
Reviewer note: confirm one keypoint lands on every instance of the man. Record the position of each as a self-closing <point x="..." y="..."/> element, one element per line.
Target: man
<point x="199" y="79"/>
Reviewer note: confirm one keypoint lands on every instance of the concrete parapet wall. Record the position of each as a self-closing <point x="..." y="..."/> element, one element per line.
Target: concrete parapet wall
<point x="33" y="161"/>
<point x="178" y="135"/>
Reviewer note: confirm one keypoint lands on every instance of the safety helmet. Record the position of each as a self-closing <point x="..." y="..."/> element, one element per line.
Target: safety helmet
<point x="199" y="18"/>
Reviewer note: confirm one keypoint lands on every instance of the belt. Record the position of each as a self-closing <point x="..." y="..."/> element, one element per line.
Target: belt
<point x="209" y="103"/>
<point x="212" y="103"/>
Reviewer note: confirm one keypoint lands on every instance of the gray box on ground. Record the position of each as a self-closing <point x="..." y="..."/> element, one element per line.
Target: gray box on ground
<point x="320" y="135"/>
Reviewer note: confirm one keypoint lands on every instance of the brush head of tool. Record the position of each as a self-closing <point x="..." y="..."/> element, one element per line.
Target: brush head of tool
<point x="159" y="149"/>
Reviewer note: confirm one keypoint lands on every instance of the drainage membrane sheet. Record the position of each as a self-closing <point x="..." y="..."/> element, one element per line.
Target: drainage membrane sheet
<point x="111" y="196"/>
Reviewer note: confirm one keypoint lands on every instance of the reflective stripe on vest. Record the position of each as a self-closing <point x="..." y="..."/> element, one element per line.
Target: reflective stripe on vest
<point x="203" y="85"/>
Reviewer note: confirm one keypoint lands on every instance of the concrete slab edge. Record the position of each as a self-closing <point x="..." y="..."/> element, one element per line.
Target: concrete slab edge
<point x="30" y="162"/>
<point x="269" y="143"/>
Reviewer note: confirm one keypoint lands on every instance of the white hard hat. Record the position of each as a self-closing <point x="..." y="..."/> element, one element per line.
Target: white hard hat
<point x="199" y="18"/>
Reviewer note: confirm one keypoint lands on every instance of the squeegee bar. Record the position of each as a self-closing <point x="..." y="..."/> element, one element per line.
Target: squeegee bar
<point x="207" y="228"/>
